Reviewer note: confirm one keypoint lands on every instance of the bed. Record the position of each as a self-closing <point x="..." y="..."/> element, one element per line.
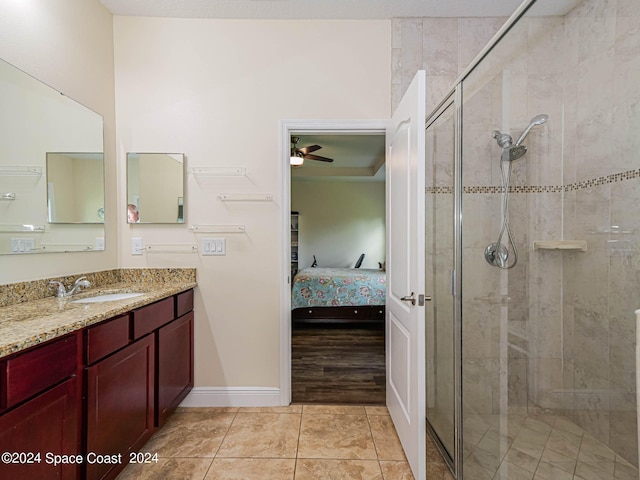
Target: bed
<point x="334" y="295"/>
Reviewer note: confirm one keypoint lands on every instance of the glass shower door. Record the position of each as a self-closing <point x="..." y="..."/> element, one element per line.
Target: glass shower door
<point x="439" y="258"/>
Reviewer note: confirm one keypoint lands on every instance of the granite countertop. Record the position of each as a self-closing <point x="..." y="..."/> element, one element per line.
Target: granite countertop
<point x="26" y="324"/>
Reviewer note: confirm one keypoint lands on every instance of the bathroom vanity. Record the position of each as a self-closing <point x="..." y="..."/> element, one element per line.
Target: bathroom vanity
<point x="82" y="404"/>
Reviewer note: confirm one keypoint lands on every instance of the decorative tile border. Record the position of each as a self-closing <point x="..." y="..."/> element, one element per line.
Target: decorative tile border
<point x="594" y="182"/>
<point x="571" y="187"/>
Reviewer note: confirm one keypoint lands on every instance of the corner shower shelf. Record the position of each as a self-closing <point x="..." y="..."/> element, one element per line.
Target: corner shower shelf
<point x="575" y="245"/>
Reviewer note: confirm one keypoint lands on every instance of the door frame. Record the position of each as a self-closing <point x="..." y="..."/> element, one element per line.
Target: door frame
<point x="288" y="128"/>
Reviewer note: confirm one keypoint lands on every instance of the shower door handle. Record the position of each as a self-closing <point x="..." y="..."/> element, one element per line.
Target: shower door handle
<point x="412" y="298"/>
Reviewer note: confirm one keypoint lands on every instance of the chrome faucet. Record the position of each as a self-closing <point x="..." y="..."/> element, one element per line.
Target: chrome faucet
<point x="62" y="292"/>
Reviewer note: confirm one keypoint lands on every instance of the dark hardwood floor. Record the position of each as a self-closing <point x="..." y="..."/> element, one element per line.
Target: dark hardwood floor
<point x="338" y="364"/>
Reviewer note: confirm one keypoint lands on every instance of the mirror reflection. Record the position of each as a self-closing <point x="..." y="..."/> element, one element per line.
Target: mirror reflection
<point x="75" y="187"/>
<point x="155" y="187"/>
<point x="36" y="120"/>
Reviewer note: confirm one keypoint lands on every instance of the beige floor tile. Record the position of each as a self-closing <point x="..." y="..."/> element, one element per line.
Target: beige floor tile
<point x="168" y="468"/>
<point x="336" y="436"/>
<point x="190" y="435"/>
<point x="558" y="460"/>
<point x="376" y="410"/>
<point x="385" y="438"/>
<point x="261" y="435"/>
<point x="437" y="471"/>
<point x="324" y="469"/>
<point x="522" y="459"/>
<point x="207" y="409"/>
<point x="252" y="468"/>
<point x="546" y="471"/>
<point x="509" y="471"/>
<point x="286" y="409"/>
<point x="589" y="472"/>
<point x="334" y="409"/>
<point x="392" y="470"/>
<point x="566" y="443"/>
<point x="625" y="471"/>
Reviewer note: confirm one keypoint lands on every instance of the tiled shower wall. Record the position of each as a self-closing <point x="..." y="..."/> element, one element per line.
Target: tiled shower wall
<point x="443" y="47"/>
<point x="582" y="182"/>
<point x="570" y="315"/>
<point x="602" y="206"/>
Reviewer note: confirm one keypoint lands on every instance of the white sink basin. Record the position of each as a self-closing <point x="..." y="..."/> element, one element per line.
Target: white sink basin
<point x="108" y="297"/>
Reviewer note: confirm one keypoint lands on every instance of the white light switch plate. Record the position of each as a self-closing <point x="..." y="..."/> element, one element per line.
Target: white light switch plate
<point x="23" y="245"/>
<point x="136" y="246"/>
<point x="214" y="246"/>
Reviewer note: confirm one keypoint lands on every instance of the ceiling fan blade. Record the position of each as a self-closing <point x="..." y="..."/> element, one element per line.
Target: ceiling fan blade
<point x="309" y="149"/>
<point x="316" y="157"/>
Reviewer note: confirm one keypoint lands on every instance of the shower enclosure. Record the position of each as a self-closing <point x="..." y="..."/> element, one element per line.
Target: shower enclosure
<point x="531" y="364"/>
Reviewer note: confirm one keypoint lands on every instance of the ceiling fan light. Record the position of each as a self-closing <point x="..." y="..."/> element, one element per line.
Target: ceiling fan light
<point x="296" y="160"/>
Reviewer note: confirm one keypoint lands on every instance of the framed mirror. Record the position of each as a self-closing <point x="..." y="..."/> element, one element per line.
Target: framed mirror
<point x="37" y="123"/>
<point x="155" y="188"/>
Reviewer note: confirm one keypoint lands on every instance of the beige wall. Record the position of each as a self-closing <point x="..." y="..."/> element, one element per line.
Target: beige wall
<point x="339" y="221"/>
<point x="67" y="44"/>
<point x="219" y="91"/>
<point x="221" y="106"/>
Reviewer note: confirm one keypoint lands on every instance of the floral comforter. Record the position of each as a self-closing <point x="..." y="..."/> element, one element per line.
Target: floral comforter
<point x="338" y="287"/>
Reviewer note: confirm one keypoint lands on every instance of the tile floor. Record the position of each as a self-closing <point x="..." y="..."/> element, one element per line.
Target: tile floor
<point x="538" y="447"/>
<point x="324" y="442"/>
<point x="301" y="442"/>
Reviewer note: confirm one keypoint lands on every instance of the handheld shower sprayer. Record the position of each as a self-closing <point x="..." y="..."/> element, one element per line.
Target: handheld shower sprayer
<point x="535" y="121"/>
<point x="498" y="253"/>
<point x="515" y="151"/>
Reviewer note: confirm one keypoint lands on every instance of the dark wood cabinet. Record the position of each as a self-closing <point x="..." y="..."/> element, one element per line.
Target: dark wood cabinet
<point x="102" y="390"/>
<point x="39" y="429"/>
<point x="105" y="338"/>
<point x="175" y="365"/>
<point x="150" y="317"/>
<point x="34" y="370"/>
<point x="120" y="405"/>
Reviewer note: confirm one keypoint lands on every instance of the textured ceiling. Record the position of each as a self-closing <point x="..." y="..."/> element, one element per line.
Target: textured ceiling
<point x="326" y="9"/>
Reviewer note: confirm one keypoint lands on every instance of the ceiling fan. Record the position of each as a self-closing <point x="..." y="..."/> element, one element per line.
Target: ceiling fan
<point x="299" y="155"/>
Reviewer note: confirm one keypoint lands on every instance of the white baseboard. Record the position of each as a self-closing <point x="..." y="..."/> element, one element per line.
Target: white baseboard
<point x="232" y="397"/>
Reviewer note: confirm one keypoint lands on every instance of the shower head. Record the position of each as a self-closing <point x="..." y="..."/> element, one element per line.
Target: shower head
<point x="537" y="120"/>
<point x="513" y="153"/>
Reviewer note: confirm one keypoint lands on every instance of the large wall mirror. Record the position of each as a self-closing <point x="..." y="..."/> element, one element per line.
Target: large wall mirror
<point x="51" y="169"/>
<point x="155" y="187"/>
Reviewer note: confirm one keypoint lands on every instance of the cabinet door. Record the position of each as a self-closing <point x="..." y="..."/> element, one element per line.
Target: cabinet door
<point x="175" y="365"/>
<point x="45" y="424"/>
<point x="120" y="405"/>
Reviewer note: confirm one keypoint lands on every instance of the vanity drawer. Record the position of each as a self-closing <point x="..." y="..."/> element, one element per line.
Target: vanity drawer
<point x="29" y="373"/>
<point x="150" y="317"/>
<point x="106" y="338"/>
<point x="184" y="303"/>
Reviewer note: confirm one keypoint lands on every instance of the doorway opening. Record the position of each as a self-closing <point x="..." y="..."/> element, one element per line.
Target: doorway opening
<point x="332" y="331"/>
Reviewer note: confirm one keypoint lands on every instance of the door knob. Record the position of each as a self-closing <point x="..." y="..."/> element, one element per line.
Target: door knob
<point x="412" y="298"/>
<point x="409" y="298"/>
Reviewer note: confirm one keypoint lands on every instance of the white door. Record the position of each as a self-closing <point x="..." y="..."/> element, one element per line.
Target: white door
<point x="405" y="274"/>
